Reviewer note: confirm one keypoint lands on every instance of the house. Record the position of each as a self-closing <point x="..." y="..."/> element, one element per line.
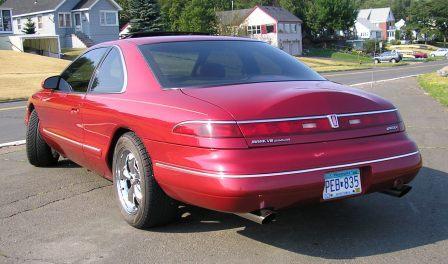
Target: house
<point x="366" y="30"/>
<point x="124" y="30"/>
<point x="369" y="21"/>
<point x="274" y="25"/>
<point x="77" y="23"/>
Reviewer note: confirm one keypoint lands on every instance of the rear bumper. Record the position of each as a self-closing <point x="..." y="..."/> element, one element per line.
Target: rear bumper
<point x="246" y="180"/>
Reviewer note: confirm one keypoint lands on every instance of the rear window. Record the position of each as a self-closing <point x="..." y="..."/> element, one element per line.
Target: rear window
<point x="212" y="63"/>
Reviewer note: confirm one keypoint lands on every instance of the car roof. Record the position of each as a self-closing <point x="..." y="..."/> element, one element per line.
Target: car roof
<point x="179" y="38"/>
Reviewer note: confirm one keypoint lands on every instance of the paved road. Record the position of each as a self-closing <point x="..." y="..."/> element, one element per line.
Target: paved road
<point x="380" y="73"/>
<point x="13" y="129"/>
<point x="68" y="215"/>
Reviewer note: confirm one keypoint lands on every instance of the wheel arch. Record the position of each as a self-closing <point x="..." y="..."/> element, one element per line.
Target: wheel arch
<point x="113" y="142"/>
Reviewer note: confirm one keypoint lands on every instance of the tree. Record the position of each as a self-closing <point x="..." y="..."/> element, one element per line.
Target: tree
<point x="190" y="15"/>
<point x="145" y="16"/>
<point x="439" y="13"/>
<point x="420" y="18"/>
<point x="30" y="27"/>
<point x="325" y="17"/>
<point x="125" y="17"/>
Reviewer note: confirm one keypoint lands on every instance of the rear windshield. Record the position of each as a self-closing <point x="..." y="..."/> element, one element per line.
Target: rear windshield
<point x="212" y="63"/>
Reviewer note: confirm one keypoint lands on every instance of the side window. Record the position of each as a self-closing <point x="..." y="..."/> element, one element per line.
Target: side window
<point x="77" y="76"/>
<point x="110" y="76"/>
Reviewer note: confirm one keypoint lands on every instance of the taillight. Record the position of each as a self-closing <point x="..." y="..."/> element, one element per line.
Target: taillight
<point x="289" y="126"/>
<point x="319" y="124"/>
<point x="209" y="129"/>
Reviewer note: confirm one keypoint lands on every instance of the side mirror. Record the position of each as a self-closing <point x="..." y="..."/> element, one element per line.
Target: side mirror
<point x="51" y="83"/>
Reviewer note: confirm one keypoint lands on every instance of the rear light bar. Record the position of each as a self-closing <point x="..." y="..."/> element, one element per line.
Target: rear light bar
<point x="209" y="129"/>
<point x="287" y="126"/>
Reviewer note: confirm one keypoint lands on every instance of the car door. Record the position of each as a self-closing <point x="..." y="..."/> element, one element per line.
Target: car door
<point x="102" y="108"/>
<point x="61" y="111"/>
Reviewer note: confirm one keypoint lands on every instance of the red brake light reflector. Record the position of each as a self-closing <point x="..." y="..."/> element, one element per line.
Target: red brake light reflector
<point x="208" y="129"/>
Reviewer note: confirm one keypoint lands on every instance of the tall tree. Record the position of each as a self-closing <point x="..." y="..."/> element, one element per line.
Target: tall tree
<point x="420" y="18"/>
<point x="325" y="17"/>
<point x="125" y="17"/>
<point x="30" y="27"/>
<point x="439" y="11"/>
<point x="189" y="15"/>
<point x="145" y="16"/>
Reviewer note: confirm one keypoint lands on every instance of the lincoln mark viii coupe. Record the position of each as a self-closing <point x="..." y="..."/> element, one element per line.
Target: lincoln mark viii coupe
<point x="229" y="124"/>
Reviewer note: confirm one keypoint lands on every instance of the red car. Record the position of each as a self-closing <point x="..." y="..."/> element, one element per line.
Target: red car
<point x="420" y="55"/>
<point x="229" y="124"/>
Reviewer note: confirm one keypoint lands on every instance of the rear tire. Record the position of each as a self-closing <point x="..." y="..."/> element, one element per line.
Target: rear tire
<point x="141" y="200"/>
<point x="377" y="61"/>
<point x="393" y="60"/>
<point x="38" y="152"/>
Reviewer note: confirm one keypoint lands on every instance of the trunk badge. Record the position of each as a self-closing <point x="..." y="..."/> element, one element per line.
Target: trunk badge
<point x="334" y="122"/>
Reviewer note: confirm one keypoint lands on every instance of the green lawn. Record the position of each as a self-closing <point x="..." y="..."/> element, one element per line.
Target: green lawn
<point x="436" y="86"/>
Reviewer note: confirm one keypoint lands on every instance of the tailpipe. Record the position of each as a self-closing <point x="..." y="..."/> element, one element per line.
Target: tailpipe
<point x="398" y="192"/>
<point x="263" y="216"/>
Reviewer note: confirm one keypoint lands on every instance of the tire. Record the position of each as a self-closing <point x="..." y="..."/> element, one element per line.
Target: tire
<point x="141" y="200"/>
<point x="433" y="55"/>
<point x="377" y="61"/>
<point x="393" y="60"/>
<point x="38" y="152"/>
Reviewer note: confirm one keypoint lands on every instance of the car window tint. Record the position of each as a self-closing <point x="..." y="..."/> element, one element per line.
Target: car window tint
<point x="222" y="62"/>
<point x="77" y="76"/>
<point x="110" y="75"/>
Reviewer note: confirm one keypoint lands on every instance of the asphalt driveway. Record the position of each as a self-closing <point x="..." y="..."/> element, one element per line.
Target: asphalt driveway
<point x="68" y="215"/>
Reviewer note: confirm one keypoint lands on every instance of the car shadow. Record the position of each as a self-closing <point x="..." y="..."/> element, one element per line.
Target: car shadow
<point x="364" y="226"/>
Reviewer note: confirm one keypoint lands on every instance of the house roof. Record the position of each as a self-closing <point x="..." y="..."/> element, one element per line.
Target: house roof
<point x="23" y="7"/>
<point x="87" y="4"/>
<point x="280" y="14"/>
<point x="375" y="14"/>
<point x="370" y="26"/>
<point x="234" y="17"/>
<point x="20" y="7"/>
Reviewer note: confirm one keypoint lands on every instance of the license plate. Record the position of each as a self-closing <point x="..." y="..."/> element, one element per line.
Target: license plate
<point x="342" y="183"/>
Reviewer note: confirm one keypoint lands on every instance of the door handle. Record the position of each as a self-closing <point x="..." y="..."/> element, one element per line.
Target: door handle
<point x="74" y="110"/>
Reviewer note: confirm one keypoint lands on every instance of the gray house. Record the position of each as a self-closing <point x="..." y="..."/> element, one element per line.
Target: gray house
<point x="78" y="23"/>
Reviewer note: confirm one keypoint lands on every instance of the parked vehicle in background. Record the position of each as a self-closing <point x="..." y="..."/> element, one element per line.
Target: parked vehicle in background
<point x="229" y="124"/>
<point x="442" y="52"/>
<point x="388" y="56"/>
<point x="420" y="55"/>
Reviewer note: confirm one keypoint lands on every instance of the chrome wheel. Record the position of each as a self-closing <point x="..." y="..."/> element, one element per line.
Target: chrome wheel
<point x="128" y="181"/>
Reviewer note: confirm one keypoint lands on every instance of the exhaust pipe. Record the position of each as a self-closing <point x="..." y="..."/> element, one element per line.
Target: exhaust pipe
<point x="263" y="216"/>
<point x="398" y="192"/>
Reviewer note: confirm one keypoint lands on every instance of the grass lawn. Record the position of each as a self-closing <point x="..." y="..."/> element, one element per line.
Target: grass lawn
<point x="71" y="54"/>
<point x="22" y="73"/>
<point x="331" y="65"/>
<point x="436" y="86"/>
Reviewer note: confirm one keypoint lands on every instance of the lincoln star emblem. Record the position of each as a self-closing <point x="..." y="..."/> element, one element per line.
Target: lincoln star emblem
<point x="333" y="121"/>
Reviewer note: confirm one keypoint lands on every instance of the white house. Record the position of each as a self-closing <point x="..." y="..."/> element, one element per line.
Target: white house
<point x="274" y="25"/>
<point x="76" y="23"/>
<point x="366" y="30"/>
<point x="369" y="21"/>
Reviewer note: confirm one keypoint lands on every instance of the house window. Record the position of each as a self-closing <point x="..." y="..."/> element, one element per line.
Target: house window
<point x="19" y="24"/>
<point x="270" y="28"/>
<point x="65" y="20"/>
<point x="108" y="18"/>
<point x="5" y="20"/>
<point x="39" y="22"/>
<point x="288" y="28"/>
<point x="294" y="28"/>
<point x="281" y="28"/>
<point x="254" y="29"/>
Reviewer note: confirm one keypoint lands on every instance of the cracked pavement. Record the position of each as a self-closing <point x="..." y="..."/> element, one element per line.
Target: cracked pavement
<point x="67" y="214"/>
